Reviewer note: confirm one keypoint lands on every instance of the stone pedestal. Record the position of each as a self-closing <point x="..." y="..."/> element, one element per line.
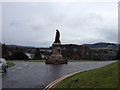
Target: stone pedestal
<point x="56" y="57"/>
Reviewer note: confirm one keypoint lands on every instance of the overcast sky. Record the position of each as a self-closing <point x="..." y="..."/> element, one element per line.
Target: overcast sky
<point x="35" y="23"/>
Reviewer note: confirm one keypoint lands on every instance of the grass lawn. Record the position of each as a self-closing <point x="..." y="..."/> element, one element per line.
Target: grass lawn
<point x="45" y="60"/>
<point x="82" y="60"/>
<point x="28" y="60"/>
<point x="104" y="77"/>
<point x="10" y="64"/>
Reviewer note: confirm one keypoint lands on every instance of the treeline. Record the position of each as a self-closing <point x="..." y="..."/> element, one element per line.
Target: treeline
<point x="69" y="51"/>
<point x="19" y="53"/>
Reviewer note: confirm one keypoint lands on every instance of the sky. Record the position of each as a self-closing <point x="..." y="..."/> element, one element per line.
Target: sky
<point x="35" y="23"/>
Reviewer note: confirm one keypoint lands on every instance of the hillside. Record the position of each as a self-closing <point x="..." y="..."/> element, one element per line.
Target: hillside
<point x="104" y="45"/>
<point x="95" y="45"/>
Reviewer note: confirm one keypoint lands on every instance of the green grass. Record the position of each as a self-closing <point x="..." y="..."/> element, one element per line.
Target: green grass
<point x="82" y="60"/>
<point x="104" y="77"/>
<point x="45" y="60"/>
<point x="29" y="60"/>
<point x="10" y="64"/>
<point x="35" y="61"/>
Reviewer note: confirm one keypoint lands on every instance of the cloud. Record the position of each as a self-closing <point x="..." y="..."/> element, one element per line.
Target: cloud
<point x="35" y="23"/>
<point x="15" y="24"/>
<point x="37" y="27"/>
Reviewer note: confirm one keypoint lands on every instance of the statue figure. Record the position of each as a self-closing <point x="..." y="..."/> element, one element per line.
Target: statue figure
<point x="56" y="57"/>
<point x="57" y="37"/>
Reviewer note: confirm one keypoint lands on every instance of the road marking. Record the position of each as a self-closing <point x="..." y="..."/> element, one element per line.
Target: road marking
<point x="20" y="68"/>
<point x="25" y="64"/>
<point x="13" y="70"/>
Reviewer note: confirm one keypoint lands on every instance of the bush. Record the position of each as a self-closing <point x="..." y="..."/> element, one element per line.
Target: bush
<point x="19" y="56"/>
<point x="37" y="55"/>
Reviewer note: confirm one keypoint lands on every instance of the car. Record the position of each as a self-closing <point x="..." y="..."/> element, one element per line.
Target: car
<point x="3" y="65"/>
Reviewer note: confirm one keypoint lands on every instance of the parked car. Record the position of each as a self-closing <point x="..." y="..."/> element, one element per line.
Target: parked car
<point x="3" y="65"/>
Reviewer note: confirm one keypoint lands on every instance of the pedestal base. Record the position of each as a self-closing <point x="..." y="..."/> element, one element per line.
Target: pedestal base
<point x="56" y="59"/>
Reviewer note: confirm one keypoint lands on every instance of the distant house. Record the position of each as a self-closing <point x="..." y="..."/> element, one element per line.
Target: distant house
<point x="103" y="53"/>
<point x="45" y="52"/>
<point x="30" y="55"/>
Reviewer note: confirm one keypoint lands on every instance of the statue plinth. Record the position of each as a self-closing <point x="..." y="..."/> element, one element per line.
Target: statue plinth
<point x="56" y="57"/>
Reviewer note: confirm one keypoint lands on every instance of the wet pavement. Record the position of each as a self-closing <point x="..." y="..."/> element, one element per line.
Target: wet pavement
<point x="39" y="74"/>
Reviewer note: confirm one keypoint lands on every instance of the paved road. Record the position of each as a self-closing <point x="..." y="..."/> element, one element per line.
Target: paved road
<point x="39" y="74"/>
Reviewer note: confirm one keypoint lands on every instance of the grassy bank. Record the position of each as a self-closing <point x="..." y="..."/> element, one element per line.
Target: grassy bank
<point x="82" y="60"/>
<point x="105" y="77"/>
<point x="28" y="60"/>
<point x="10" y="64"/>
<point x="45" y="60"/>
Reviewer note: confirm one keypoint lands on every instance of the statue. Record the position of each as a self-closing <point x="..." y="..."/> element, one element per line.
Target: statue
<point x="57" y="37"/>
<point x="56" y="57"/>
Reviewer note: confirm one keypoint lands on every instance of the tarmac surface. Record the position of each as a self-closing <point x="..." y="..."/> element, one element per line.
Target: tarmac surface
<point x="37" y="75"/>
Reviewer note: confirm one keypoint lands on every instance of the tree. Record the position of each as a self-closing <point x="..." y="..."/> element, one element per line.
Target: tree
<point x="37" y="54"/>
<point x="0" y="50"/>
<point x="118" y="54"/>
<point x="4" y="51"/>
<point x="19" y="56"/>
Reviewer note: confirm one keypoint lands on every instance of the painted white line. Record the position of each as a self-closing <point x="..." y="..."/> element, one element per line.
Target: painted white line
<point x="13" y="70"/>
<point x="25" y="64"/>
<point x="20" y="68"/>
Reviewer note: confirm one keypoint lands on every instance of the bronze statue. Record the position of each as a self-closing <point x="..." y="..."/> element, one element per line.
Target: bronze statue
<point x="56" y="57"/>
<point x="57" y="37"/>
